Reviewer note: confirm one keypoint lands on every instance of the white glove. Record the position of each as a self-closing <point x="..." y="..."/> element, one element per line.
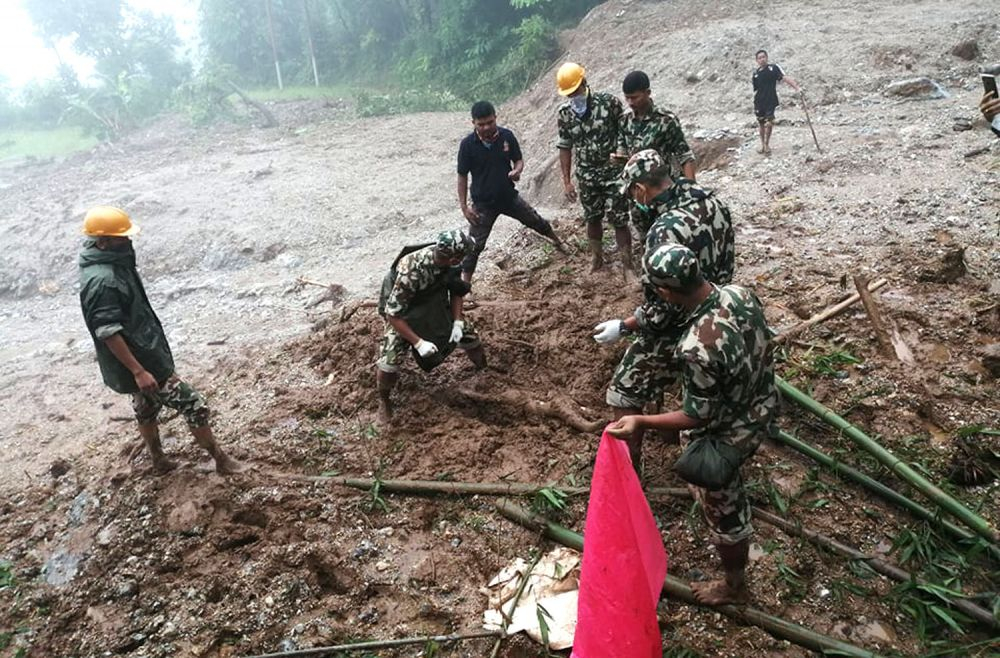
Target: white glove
<point x="426" y="348"/>
<point x="457" y="331"/>
<point x="608" y="331"/>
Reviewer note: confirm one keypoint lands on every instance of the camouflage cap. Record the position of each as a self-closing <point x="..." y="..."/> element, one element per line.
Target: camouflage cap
<point x="452" y="244"/>
<point x="671" y="266"/>
<point x="638" y="166"/>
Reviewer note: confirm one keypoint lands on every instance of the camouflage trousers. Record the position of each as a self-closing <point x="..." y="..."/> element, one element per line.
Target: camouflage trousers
<point x="175" y="394"/>
<point x="601" y="198"/>
<point x="394" y="347"/>
<point x="645" y="371"/>
<point x="727" y="511"/>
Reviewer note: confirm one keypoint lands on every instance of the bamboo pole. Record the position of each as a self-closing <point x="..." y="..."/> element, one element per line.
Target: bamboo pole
<point x="309" y="37"/>
<point x="274" y="45"/>
<point x="878" y="565"/>
<point x="890" y="461"/>
<point x="379" y="644"/>
<point x="676" y="589"/>
<point x="513" y="605"/>
<point x="886" y="493"/>
<point x="825" y="315"/>
<point x="465" y="488"/>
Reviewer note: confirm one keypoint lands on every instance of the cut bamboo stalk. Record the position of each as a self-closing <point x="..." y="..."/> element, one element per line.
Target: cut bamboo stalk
<point x="887" y="569"/>
<point x="886" y="493"/>
<point x="464" y="488"/>
<point x="676" y="589"/>
<point x="978" y="524"/>
<point x="825" y="315"/>
<point x="513" y="605"/>
<point x="380" y="644"/>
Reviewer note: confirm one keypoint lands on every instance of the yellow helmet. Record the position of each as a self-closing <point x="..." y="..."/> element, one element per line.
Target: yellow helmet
<point x="108" y="221"/>
<point x="568" y="78"/>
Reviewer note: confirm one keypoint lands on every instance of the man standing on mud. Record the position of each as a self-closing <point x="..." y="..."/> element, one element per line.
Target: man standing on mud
<point x="132" y="349"/>
<point x="589" y="122"/>
<point x="730" y="405"/>
<point x="765" y="97"/>
<point x="423" y="292"/>
<point x="493" y="157"/>
<point x="686" y="214"/>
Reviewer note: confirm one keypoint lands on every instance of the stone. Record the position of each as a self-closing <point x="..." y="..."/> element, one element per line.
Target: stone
<point x="59" y="468"/>
<point x="916" y="88"/>
<point x="990" y="358"/>
<point x="967" y="50"/>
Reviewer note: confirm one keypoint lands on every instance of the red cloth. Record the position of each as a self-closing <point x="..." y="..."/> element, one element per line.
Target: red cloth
<point x="624" y="564"/>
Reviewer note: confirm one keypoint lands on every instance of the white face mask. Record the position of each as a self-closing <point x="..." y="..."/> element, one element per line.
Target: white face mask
<point x="578" y="104"/>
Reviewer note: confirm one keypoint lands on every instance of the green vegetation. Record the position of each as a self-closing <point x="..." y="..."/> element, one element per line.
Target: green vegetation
<point x="302" y="92"/>
<point x="45" y="143"/>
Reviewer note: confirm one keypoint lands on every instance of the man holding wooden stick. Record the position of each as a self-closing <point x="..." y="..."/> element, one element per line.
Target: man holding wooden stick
<point x="765" y="96"/>
<point x="730" y="405"/>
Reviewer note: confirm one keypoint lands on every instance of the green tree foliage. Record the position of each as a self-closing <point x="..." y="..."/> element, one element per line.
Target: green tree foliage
<point x="135" y="60"/>
<point x="466" y="48"/>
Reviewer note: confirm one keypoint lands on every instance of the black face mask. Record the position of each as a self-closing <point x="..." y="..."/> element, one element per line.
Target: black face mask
<point x="120" y="246"/>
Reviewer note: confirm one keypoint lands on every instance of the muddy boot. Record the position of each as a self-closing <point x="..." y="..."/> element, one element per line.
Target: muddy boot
<point x="597" y="255"/>
<point x="150" y="434"/>
<point x="478" y="357"/>
<point x="224" y="464"/>
<point x="386" y="382"/>
<point x="623" y="237"/>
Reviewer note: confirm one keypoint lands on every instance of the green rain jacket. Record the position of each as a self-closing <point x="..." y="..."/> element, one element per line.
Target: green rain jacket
<point x="113" y="301"/>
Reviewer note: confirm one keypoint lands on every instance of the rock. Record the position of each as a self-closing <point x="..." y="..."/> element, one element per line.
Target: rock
<point x="381" y="565"/>
<point x="61" y="568"/>
<point x="693" y="77"/>
<point x="949" y="268"/>
<point x="991" y="359"/>
<point x="916" y="88"/>
<point x="59" y="468"/>
<point x="967" y="50"/>
<point x="876" y="632"/>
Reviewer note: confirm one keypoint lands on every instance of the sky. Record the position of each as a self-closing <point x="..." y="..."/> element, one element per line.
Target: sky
<point x="23" y="56"/>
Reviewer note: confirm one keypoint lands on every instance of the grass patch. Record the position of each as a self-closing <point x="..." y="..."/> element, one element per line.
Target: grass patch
<point x="44" y="143"/>
<point x="304" y="92"/>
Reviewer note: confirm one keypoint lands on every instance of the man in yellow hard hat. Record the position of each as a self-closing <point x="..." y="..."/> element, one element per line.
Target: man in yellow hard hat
<point x="132" y="349"/>
<point x="589" y="122"/>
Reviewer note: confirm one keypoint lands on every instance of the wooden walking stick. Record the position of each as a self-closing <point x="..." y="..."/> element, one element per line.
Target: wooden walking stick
<point x="805" y="108"/>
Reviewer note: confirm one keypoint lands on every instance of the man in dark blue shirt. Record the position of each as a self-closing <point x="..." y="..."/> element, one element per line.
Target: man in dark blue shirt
<point x="492" y="155"/>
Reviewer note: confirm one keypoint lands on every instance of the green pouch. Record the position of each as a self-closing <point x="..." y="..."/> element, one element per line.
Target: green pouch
<point x="709" y="463"/>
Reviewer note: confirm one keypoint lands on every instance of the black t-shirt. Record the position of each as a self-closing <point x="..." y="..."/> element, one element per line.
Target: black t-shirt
<point x="489" y="165"/>
<point x="765" y="92"/>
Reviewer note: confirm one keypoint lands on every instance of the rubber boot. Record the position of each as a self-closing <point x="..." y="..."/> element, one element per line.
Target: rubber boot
<point x="594" y="234"/>
<point x="150" y="434"/>
<point x="478" y="356"/>
<point x="224" y="464"/>
<point x="386" y="382"/>
<point x="623" y="236"/>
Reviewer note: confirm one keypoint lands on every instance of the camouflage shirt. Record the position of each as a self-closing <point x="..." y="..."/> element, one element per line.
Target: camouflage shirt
<point x="728" y="370"/>
<point x="659" y="130"/>
<point x="416" y="273"/>
<point x="594" y="136"/>
<point x="691" y="216"/>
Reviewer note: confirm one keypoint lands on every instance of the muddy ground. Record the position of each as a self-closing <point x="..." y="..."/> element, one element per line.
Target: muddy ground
<point x="104" y="557"/>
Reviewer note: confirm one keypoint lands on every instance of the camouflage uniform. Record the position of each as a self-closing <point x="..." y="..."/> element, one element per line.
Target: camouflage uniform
<point x="693" y="217"/>
<point x="415" y="273"/>
<point x="728" y="381"/>
<point x="594" y="137"/>
<point x="659" y="130"/>
<point x="175" y="394"/>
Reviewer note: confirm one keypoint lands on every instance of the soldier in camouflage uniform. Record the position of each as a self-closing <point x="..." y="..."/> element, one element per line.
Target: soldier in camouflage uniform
<point x="417" y="273"/>
<point x="589" y="122"/>
<point x="729" y="397"/>
<point x="688" y="215"/>
<point x="646" y="125"/>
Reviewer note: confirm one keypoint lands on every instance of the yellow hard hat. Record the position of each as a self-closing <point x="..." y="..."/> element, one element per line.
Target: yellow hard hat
<point x="108" y="221"/>
<point x="568" y="78"/>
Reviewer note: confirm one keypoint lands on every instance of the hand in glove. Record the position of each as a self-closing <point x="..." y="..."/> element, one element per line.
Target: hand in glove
<point x="457" y="331"/>
<point x="609" y="331"/>
<point x="425" y="348"/>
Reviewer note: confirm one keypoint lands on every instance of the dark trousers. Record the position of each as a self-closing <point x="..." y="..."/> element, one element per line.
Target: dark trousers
<point x="517" y="208"/>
